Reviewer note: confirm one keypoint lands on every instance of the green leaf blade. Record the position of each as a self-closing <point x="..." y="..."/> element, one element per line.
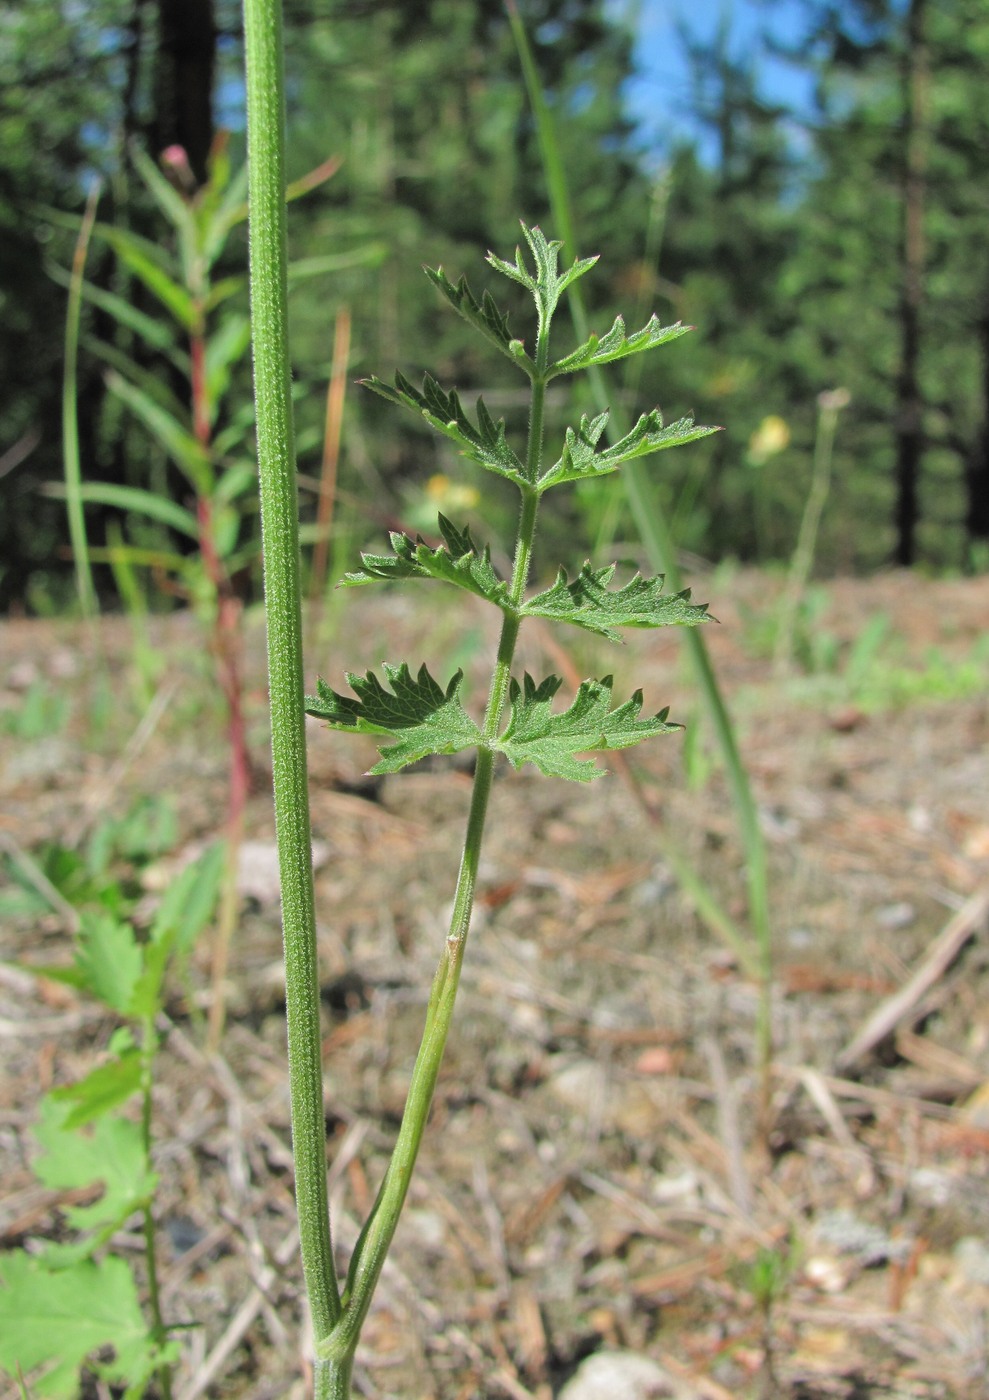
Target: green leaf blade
<point x="484" y="443"/>
<point x="588" y="602"/>
<point x="616" y="345"/>
<point x="551" y="741"/>
<point x="458" y="561"/>
<point x="103" y="1089"/>
<point x="63" y="1316"/>
<point x="416" y="714"/>
<point x="484" y="315"/>
<point x="109" y="1151"/>
<point x="174" y="437"/>
<point x="581" y="459"/>
<point x="108" y="958"/>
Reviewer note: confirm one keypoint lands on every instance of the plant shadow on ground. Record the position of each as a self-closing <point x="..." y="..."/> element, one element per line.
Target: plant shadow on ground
<point x="590" y="1181"/>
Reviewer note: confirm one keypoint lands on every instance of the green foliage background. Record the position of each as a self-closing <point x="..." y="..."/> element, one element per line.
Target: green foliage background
<point x="784" y="249"/>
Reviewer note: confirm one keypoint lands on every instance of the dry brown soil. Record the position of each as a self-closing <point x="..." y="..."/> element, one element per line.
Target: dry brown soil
<point x="594" y="1176"/>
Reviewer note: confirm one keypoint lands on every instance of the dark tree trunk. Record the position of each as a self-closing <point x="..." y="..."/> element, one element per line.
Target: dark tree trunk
<point x="909" y="402"/>
<point x="977" y="462"/>
<point x="184" y="80"/>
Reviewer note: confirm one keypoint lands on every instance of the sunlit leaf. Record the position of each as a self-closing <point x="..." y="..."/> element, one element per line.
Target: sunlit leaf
<point x="616" y="345"/>
<point x="588" y="602"/>
<point x="458" y="562"/>
<point x="551" y="741"/>
<point x="484" y="443"/>
<point x="581" y="459"/>
<point x="417" y="713"/>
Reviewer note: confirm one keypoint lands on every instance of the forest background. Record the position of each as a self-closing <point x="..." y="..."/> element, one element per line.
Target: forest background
<point x="840" y="245"/>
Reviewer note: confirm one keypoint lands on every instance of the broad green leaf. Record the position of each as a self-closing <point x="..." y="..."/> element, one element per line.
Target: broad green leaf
<point x="146" y="261"/>
<point x="108" y="957"/>
<point x="483" y="315"/>
<point x="58" y="1319"/>
<point x="601" y="350"/>
<point x="458" y="562"/>
<point x="416" y="713"/>
<point x="135" y="498"/>
<point x="110" y="1150"/>
<point x="588" y="602"/>
<point x="548" y="284"/>
<point x="174" y="437"/>
<point x="102" y="1089"/>
<point x="484" y="444"/>
<point x="582" y="459"/>
<point x="536" y="735"/>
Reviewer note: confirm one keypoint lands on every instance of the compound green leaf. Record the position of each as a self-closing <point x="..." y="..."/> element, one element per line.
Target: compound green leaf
<point x="588" y="602"/>
<point x="551" y="741"/>
<point x="458" y="561"/>
<point x="484" y="443"/>
<point x="416" y="713"/>
<point x="483" y="315"/>
<point x="57" y="1319"/>
<point x="581" y="459"/>
<point x="616" y="345"/>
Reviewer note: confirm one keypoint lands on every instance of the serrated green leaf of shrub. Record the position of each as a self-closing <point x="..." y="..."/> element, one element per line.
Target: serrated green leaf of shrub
<point x="417" y="713"/>
<point x="110" y="1150"/>
<point x="581" y="459"/>
<point x="536" y="735"/>
<point x="59" y="1318"/>
<point x="616" y="345"/>
<point x="588" y="602"/>
<point x="108" y="957"/>
<point x="102" y="1089"/>
<point x="484" y="443"/>
<point x="458" y="562"/>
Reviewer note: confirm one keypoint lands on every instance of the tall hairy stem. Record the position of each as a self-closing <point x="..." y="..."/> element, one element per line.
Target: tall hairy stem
<point x="280" y="534"/>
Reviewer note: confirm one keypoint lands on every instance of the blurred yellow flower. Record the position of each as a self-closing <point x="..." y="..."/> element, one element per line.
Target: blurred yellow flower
<point x="770" y="438"/>
<point x="451" y="495"/>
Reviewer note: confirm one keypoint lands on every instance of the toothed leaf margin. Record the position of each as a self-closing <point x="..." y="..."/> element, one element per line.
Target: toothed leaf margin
<point x="550" y="741"/>
<point x="417" y="713"/>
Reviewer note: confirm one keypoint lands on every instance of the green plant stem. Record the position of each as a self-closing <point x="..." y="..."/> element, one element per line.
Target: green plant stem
<point x="149" y="1046"/>
<point x="376" y="1237"/>
<point x="70" y="421"/>
<point x="829" y="408"/>
<point x="654" y="531"/>
<point x="280" y="534"/>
